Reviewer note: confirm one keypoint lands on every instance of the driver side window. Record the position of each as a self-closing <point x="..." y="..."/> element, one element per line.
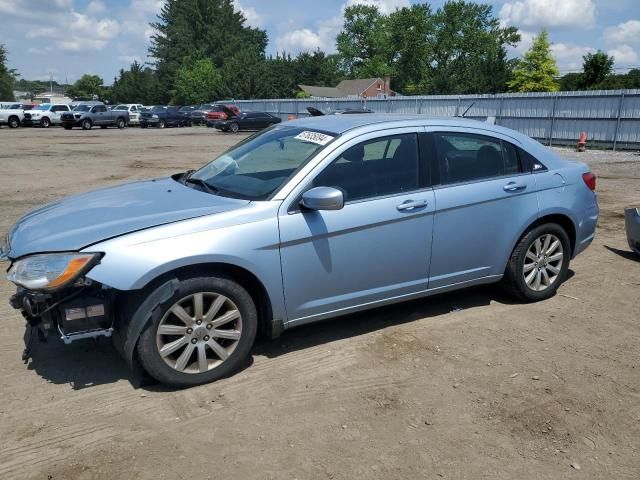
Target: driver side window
<point x="383" y="166"/>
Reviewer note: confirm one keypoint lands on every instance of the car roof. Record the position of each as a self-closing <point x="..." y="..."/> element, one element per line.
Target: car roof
<point x="339" y="124"/>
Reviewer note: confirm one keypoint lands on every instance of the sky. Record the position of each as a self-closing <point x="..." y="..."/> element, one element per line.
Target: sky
<point x="67" y="38"/>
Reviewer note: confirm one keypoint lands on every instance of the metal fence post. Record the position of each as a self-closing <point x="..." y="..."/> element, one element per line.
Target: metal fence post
<point x="553" y="118"/>
<point x="499" y="113"/>
<point x="458" y="107"/>
<point x="615" y="133"/>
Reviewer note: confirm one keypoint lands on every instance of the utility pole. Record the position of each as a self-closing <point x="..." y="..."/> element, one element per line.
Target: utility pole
<point x="51" y="82"/>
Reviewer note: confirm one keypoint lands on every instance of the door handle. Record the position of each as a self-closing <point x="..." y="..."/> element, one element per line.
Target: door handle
<point x="412" y="205"/>
<point x="514" y="187"/>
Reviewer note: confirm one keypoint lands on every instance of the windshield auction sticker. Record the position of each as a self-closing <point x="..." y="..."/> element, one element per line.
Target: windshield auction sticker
<point x="314" y="137"/>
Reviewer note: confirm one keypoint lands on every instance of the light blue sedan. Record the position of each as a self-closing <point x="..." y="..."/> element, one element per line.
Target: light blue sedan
<point x="308" y="220"/>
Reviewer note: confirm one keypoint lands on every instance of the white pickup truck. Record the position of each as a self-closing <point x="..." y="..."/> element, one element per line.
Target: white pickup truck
<point x="12" y="114"/>
<point x="45" y="115"/>
<point x="134" y="110"/>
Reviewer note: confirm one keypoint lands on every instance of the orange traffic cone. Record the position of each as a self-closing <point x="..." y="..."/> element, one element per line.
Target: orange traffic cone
<point x="582" y="143"/>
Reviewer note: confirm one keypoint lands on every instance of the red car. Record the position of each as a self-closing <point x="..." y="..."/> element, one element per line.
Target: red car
<point x="222" y="112"/>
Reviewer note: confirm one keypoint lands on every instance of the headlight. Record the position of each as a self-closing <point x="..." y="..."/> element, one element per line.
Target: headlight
<point x="51" y="271"/>
<point x="154" y="115"/>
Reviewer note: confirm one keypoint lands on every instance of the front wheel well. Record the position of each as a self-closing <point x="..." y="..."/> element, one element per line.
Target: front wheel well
<point x="244" y="277"/>
<point x="564" y="221"/>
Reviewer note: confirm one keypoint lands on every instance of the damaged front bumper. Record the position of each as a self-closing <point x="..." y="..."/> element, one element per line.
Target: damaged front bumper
<point x="82" y="311"/>
<point x="632" y="222"/>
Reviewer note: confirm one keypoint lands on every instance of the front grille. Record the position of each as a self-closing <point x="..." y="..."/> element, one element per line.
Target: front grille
<point x="27" y="116"/>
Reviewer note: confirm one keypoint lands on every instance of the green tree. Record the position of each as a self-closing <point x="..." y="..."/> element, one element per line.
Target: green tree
<point x="460" y="48"/>
<point x="7" y="77"/>
<point x="571" y="82"/>
<point x="363" y="43"/>
<point x="87" y="87"/>
<point x="197" y="82"/>
<point x="199" y="29"/>
<point x="537" y="71"/>
<point x="596" y="66"/>
<point x="243" y="75"/>
<point x="469" y="49"/>
<point x="409" y="30"/>
<point x="139" y="84"/>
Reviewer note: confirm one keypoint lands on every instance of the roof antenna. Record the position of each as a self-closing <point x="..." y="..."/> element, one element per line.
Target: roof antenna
<point x="468" y="108"/>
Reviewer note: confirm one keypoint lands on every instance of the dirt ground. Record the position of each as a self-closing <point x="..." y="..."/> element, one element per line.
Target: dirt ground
<point x="466" y="385"/>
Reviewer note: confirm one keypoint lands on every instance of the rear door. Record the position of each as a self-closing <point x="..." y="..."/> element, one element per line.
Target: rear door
<point x="484" y="199"/>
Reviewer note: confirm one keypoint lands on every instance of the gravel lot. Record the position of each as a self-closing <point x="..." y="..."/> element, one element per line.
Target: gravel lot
<point x="464" y="385"/>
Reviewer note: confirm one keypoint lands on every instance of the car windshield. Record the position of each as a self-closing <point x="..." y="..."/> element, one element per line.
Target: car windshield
<point x="43" y="107"/>
<point x="158" y="108"/>
<point x="82" y="108"/>
<point x="261" y="164"/>
<point x="121" y="107"/>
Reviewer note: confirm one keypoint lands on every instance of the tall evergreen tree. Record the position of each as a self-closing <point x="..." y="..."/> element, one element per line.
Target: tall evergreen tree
<point x="137" y="85"/>
<point x="200" y="29"/>
<point x="537" y="71"/>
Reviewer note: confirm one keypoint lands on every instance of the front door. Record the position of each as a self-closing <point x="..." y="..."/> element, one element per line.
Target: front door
<point x="484" y="199"/>
<point x="376" y="248"/>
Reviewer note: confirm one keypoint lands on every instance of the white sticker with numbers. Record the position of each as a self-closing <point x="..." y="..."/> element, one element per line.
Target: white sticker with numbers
<point x="314" y="137"/>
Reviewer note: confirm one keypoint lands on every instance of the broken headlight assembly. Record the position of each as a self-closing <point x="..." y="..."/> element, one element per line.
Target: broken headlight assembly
<point x="51" y="271"/>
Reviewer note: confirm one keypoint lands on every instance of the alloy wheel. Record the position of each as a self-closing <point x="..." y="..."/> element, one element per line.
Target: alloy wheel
<point x="543" y="262"/>
<point x="199" y="332"/>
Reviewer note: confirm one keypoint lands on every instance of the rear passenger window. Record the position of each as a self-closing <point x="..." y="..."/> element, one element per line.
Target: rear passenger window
<point x="466" y="157"/>
<point x="384" y="166"/>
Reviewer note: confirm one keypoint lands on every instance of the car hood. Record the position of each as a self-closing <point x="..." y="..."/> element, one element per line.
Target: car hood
<point x="81" y="220"/>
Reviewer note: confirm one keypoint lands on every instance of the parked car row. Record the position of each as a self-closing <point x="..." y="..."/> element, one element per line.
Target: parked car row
<point x="89" y="114"/>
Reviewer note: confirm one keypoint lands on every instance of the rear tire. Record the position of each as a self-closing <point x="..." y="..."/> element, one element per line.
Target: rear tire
<point x="195" y="348"/>
<point x="539" y="263"/>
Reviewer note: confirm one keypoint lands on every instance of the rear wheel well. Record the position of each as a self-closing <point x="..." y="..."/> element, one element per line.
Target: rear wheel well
<point x="565" y="222"/>
<point x="243" y="277"/>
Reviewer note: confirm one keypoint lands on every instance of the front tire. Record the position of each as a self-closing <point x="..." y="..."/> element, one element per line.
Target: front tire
<point x="161" y="124"/>
<point x="539" y="263"/>
<point x="234" y="128"/>
<point x="45" y="122"/>
<point x="86" y="124"/>
<point x="120" y="123"/>
<point x="14" y="122"/>
<point x="204" y="332"/>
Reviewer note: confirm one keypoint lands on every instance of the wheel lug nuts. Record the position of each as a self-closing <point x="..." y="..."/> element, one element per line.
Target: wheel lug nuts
<point x="189" y="331"/>
<point x="198" y="322"/>
<point x="206" y="338"/>
<point x="209" y="326"/>
<point x="194" y="340"/>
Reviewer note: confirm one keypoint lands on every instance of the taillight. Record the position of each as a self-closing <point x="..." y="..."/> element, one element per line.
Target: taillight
<point x="589" y="180"/>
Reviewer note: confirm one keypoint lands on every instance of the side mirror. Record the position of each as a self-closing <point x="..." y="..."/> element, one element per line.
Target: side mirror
<point x="323" y="198"/>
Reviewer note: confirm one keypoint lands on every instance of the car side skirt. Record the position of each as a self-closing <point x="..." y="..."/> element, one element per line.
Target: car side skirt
<point x="388" y="301"/>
